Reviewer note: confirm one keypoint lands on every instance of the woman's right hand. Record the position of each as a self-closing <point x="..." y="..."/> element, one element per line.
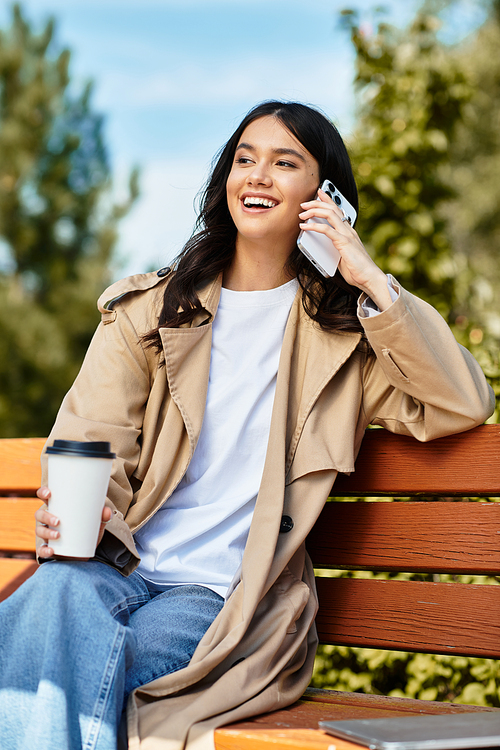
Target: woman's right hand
<point x="44" y="518"/>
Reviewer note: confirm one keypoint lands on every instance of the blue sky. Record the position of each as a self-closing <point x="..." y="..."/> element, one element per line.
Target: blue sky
<point x="174" y="77"/>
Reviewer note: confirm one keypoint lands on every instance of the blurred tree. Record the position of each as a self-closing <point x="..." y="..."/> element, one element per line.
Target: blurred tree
<point x="473" y="216"/>
<point x="56" y="236"/>
<point x="427" y="153"/>
<point x="474" y="165"/>
<point x="411" y="95"/>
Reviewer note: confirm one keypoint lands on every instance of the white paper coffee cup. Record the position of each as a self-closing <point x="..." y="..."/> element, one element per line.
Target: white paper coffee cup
<point x="78" y="478"/>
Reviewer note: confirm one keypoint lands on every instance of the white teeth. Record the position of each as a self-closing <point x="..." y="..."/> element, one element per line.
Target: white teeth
<point x="254" y="201"/>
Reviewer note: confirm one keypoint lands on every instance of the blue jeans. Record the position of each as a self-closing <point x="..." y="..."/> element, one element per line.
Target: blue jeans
<point x="76" y="639"/>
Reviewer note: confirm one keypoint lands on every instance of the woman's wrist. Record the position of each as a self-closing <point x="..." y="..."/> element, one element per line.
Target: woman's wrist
<point x="378" y="291"/>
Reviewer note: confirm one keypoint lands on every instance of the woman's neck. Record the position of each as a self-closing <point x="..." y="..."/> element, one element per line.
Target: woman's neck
<point x="256" y="268"/>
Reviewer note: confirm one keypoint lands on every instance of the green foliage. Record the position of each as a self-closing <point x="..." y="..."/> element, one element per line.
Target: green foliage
<point x="56" y="238"/>
<point x="473" y="218"/>
<point x="405" y="675"/>
<point x="411" y="96"/>
<point x="427" y="156"/>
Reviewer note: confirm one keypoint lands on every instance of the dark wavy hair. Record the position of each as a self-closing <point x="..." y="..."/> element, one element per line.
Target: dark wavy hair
<point x="331" y="302"/>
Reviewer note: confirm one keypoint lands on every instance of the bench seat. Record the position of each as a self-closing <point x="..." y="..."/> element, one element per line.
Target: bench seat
<point x="297" y="726"/>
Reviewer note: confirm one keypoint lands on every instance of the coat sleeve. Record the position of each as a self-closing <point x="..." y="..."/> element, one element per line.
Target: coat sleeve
<point x="421" y="382"/>
<point x="107" y="402"/>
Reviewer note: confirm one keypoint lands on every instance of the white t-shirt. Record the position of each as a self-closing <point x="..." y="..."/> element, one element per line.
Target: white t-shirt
<point x="199" y="534"/>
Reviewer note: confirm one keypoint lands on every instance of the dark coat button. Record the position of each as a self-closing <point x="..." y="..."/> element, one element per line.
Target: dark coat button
<point x="163" y="271"/>
<point x="286" y="524"/>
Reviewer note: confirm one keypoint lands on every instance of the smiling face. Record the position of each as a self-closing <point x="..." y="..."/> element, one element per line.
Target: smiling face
<point x="271" y="175"/>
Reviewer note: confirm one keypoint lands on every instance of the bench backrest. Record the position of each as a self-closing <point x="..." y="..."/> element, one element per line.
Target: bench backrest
<point x="431" y="536"/>
<point x="436" y="536"/>
<point x="19" y="480"/>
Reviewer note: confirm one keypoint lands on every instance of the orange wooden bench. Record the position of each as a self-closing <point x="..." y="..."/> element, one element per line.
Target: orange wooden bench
<point x="19" y="480"/>
<point x="424" y="535"/>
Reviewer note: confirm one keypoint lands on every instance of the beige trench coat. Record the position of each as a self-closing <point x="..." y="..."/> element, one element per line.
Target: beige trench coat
<point x="258" y="653"/>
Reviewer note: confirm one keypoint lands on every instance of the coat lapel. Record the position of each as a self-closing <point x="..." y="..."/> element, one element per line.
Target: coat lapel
<point x="316" y="356"/>
<point x="187" y="360"/>
<point x="309" y="359"/>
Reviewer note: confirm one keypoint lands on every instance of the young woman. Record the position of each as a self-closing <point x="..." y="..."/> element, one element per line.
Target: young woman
<point x="233" y="389"/>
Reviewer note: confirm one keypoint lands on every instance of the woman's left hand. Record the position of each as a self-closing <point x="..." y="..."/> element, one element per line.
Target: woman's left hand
<point x="355" y="264"/>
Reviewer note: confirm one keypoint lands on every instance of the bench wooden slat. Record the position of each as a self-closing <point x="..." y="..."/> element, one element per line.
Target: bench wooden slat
<point x="296" y="726"/>
<point x="13" y="573"/>
<point x="431" y="537"/>
<point x="255" y="738"/>
<point x="395" y="465"/>
<point x="20" y="465"/>
<point x="441" y="618"/>
<point x="17" y="523"/>
<point x="382" y="702"/>
<point x="387" y="465"/>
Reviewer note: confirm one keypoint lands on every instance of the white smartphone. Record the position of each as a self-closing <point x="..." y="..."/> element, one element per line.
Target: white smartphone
<point x="318" y="248"/>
